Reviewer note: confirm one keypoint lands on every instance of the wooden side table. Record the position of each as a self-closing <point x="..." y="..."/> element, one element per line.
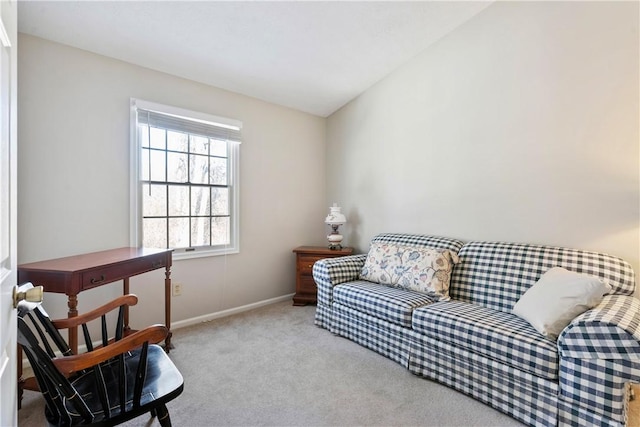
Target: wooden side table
<point x="306" y="256"/>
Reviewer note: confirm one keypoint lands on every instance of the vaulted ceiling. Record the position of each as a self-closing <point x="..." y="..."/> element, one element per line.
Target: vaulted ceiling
<point x="307" y="55"/>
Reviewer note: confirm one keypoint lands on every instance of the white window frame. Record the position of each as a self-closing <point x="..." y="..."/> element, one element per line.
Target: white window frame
<point x="136" y="182"/>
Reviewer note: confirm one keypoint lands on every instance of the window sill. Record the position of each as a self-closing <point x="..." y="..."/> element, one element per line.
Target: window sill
<point x="180" y="254"/>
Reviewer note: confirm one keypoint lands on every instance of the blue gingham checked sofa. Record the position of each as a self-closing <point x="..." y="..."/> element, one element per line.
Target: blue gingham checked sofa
<point x="473" y="343"/>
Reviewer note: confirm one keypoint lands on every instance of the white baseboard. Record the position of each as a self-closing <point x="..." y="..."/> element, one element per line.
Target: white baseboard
<point x="224" y="313"/>
<point x="195" y="320"/>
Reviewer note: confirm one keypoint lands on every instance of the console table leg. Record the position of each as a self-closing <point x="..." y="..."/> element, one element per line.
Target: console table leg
<point x="73" y="332"/>
<point x="167" y="306"/>
<point x="125" y="291"/>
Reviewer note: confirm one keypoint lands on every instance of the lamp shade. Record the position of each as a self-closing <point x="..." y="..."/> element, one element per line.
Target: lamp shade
<point x="335" y="217"/>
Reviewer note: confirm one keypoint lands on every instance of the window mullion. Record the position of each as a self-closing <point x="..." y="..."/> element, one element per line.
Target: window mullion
<point x="166" y="186"/>
<point x="190" y="216"/>
<point x="210" y="195"/>
<point x="189" y="150"/>
<point x="149" y="151"/>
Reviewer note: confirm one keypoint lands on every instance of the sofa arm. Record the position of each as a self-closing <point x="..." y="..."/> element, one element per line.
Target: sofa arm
<point x="610" y="331"/>
<point x="600" y="356"/>
<point x="330" y="272"/>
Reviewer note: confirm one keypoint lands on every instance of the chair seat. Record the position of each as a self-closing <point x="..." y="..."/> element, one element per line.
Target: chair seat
<point x="153" y="391"/>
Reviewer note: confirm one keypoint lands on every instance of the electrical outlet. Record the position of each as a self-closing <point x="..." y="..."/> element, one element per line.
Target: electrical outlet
<point x="177" y="289"/>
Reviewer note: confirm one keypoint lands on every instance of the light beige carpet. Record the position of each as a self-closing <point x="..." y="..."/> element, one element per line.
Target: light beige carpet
<point x="273" y="367"/>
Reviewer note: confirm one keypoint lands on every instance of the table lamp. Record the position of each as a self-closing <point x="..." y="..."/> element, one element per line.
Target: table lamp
<point x="335" y="219"/>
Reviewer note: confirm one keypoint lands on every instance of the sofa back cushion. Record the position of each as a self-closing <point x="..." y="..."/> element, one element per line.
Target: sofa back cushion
<point x="497" y="274"/>
<point x="419" y="240"/>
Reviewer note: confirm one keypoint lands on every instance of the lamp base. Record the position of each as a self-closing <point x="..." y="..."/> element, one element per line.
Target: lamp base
<point x="335" y="240"/>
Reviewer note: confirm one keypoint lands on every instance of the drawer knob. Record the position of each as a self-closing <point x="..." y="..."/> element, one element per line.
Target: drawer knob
<point x="310" y="265"/>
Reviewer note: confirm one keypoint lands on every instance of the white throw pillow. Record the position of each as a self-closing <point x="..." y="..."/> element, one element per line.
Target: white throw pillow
<point x="419" y="269"/>
<point x="557" y="298"/>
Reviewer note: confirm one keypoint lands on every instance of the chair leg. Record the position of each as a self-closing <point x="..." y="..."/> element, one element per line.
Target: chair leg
<point x="163" y="416"/>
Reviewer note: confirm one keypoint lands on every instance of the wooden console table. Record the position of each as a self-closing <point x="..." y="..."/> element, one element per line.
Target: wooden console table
<point x="78" y="273"/>
<point x="74" y="274"/>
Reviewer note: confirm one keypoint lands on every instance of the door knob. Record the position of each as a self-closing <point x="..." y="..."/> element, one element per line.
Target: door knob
<point x="32" y="294"/>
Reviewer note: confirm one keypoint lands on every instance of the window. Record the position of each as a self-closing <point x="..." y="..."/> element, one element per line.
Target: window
<point x="184" y="180"/>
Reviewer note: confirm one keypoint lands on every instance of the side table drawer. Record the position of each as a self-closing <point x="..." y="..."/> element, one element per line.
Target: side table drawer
<point x="306" y="257"/>
<point x="307" y="284"/>
<point x="305" y="263"/>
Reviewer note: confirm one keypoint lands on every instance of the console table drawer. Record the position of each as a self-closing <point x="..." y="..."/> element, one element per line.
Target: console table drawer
<point x="98" y="277"/>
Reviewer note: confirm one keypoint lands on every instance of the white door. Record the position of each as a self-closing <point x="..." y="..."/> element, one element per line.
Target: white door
<point x="8" y="212"/>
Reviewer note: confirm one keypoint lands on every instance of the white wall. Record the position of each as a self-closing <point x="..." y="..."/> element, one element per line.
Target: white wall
<point x="520" y="125"/>
<point x="74" y="179"/>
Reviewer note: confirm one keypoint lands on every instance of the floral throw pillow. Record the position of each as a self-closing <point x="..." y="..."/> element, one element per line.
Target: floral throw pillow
<point x="425" y="270"/>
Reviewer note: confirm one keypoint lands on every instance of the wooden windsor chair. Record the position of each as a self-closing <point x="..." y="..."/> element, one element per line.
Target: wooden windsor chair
<point x="120" y="378"/>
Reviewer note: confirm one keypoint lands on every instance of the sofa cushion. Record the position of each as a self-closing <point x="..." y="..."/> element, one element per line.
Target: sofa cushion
<point x="497" y="274"/>
<point x="557" y="298"/>
<point x="415" y="268"/>
<point x="393" y="305"/>
<point x="421" y="240"/>
<point x="500" y="336"/>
